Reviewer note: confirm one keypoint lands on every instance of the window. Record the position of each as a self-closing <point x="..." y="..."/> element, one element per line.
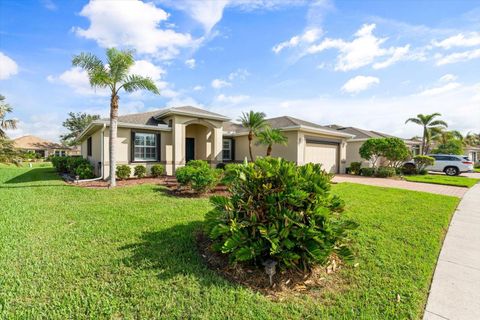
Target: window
<point x="89" y="147"/>
<point x="415" y="150"/>
<point x="227" y="149"/>
<point x="60" y="153"/>
<point x="145" y="147"/>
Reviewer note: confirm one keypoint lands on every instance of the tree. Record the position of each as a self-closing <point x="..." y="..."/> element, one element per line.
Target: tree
<point x="75" y="124"/>
<point x="268" y="137"/>
<point x="5" y="124"/>
<point x="114" y="76"/>
<point x="254" y="122"/>
<point x="396" y="152"/>
<point x="373" y="149"/>
<point x="427" y="122"/>
<point x="8" y="153"/>
<point x="450" y="147"/>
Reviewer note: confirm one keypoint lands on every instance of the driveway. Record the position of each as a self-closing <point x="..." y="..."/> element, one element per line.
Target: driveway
<point x="455" y="290"/>
<point x="401" y="184"/>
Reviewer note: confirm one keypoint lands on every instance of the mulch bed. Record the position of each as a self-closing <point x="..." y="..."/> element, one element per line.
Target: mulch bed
<point x="102" y="184"/>
<point x="315" y="282"/>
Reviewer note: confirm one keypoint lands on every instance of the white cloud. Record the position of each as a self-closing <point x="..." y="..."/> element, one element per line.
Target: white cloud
<point x="457" y="57"/>
<point x="191" y="63"/>
<point x="441" y="89"/>
<point x="231" y="99"/>
<point x="359" y="83"/>
<point x="134" y="24"/>
<point x="49" y="4"/>
<point x="219" y="83"/>
<point x="448" y="78"/>
<point x="147" y="69"/>
<point x="460" y="40"/>
<point x="47" y="126"/>
<point x="198" y="88"/>
<point x="240" y="74"/>
<point x="309" y="36"/>
<point x="8" y="67"/>
<point x="398" y="54"/>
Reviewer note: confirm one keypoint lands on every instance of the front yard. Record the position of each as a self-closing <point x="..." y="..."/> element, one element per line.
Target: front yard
<point x="71" y="252"/>
<point x="457" y="181"/>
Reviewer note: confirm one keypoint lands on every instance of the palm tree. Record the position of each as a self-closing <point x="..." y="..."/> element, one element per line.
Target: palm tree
<point x="254" y="122"/>
<point x="428" y="122"/>
<point x="5" y="123"/>
<point x="269" y="137"/>
<point x="114" y="76"/>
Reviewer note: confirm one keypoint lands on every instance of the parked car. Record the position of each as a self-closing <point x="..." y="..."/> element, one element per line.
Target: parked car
<point x="451" y="164"/>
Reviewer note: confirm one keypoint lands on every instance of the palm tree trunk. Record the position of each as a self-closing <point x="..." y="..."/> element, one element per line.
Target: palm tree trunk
<point x="113" y="139"/>
<point x="423" y="140"/>
<point x="269" y="150"/>
<point x="250" y="139"/>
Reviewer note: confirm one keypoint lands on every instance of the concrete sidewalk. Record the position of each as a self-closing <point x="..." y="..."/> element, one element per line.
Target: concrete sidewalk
<point x="455" y="290"/>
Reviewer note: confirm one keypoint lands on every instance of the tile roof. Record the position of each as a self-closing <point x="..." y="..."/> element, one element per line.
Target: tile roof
<point x="36" y="143"/>
<point x="360" y="133"/>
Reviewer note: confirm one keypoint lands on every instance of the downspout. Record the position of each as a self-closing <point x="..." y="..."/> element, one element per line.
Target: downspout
<point x="102" y="143"/>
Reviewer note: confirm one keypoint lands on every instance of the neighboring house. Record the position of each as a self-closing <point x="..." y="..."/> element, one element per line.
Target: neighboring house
<point x="473" y="152"/>
<point x="41" y="147"/>
<point x="176" y="135"/>
<point x="361" y="135"/>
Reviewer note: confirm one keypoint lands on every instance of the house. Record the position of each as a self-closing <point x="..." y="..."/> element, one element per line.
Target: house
<point x="362" y="135"/>
<point x="41" y="147"/>
<point x="176" y="135"/>
<point x="473" y="153"/>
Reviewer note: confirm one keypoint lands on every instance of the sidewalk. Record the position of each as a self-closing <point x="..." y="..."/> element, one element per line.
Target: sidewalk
<point x="455" y="290"/>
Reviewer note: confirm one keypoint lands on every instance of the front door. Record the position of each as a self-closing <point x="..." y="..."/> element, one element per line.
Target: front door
<point x="189" y="149"/>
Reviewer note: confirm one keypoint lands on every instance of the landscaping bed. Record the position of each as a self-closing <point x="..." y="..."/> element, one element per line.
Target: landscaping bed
<point x="457" y="181"/>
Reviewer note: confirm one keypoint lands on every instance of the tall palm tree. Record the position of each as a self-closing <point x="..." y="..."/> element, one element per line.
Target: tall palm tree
<point x="428" y="122"/>
<point x="114" y="76"/>
<point x="254" y="122"/>
<point x="5" y="124"/>
<point x="269" y="137"/>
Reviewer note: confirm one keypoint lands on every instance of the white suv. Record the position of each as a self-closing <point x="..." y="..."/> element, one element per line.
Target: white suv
<point x="451" y="164"/>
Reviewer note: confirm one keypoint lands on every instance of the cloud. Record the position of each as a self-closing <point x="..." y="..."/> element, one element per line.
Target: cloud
<point x="191" y="63"/>
<point x="398" y="54"/>
<point x="8" y="67"/>
<point x="460" y="40"/>
<point x="240" y="74"/>
<point x="231" y="99"/>
<point x="47" y="126"/>
<point x="198" y="88"/>
<point x="308" y="37"/>
<point x="219" y="83"/>
<point x="359" y="83"/>
<point x="440" y="90"/>
<point x="457" y="57"/>
<point x="134" y="24"/>
<point x="448" y="78"/>
<point x="49" y="4"/>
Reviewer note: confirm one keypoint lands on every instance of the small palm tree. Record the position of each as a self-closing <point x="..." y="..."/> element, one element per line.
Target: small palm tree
<point x="254" y="122"/>
<point x="5" y="124"/>
<point x="427" y="122"/>
<point x="114" y="76"/>
<point x="269" y="137"/>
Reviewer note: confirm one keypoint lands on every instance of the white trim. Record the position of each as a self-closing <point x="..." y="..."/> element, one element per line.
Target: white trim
<point x="300" y="128"/>
<point x="161" y="127"/>
<point x="172" y="111"/>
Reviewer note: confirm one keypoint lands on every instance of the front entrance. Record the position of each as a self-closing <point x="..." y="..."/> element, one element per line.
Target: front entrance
<point x="189" y="149"/>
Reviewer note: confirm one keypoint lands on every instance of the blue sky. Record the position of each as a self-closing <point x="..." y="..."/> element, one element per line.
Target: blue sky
<point x="369" y="64"/>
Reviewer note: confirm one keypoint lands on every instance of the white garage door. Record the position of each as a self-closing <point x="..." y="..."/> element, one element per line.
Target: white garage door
<point x="324" y="154"/>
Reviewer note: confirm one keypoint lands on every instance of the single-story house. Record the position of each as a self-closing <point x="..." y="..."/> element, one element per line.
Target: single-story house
<point x="473" y="152"/>
<point x="41" y="147"/>
<point x="362" y="135"/>
<point x="176" y="135"/>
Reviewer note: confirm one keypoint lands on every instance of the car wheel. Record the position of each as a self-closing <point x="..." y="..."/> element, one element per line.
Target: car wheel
<point x="451" y="171"/>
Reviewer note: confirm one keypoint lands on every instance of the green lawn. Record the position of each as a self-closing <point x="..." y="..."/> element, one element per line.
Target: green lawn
<point x="477" y="170"/>
<point x="458" y="181"/>
<point x="70" y="252"/>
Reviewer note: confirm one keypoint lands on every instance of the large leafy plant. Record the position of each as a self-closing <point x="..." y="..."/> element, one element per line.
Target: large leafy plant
<point x="279" y="211"/>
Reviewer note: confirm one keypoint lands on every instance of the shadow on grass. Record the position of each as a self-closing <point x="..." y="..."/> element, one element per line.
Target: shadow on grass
<point x="172" y="252"/>
<point x="35" y="175"/>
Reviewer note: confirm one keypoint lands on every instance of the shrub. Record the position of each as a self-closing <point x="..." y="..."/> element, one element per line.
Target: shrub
<point x="279" y="211"/>
<point x="123" y="171"/>
<point x="373" y="149"/>
<point x="367" y="172"/>
<point x="392" y="149"/>
<point x="85" y="171"/>
<point x="477" y="165"/>
<point x="423" y="172"/>
<point x="385" y="172"/>
<point x="60" y="163"/>
<point x="74" y="162"/>
<point x="452" y="146"/>
<point x="157" y="170"/>
<point x="221" y="165"/>
<point x="355" y="167"/>
<point x="198" y="175"/>
<point x="140" y="171"/>
<point x="409" y="169"/>
<point x="423" y="161"/>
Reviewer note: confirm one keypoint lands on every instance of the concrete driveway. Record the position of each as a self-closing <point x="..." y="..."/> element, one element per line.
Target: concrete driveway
<point x="401" y="184"/>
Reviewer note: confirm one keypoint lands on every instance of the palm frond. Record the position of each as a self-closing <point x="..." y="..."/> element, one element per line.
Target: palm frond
<point x="414" y="120"/>
<point x="254" y="121"/>
<point x="87" y="61"/>
<point x="119" y="63"/>
<point x="438" y="123"/>
<point x="136" y="82"/>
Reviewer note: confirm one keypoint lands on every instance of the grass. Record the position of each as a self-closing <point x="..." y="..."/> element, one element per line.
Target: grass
<point x="70" y="252"/>
<point x="477" y="170"/>
<point x="457" y="181"/>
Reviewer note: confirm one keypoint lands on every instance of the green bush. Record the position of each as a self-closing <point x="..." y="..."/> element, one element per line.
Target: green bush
<point x="279" y="211"/>
<point x="367" y="172"/>
<point x="60" y="164"/>
<point x="409" y="169"/>
<point x="85" y="171"/>
<point x="74" y="162"/>
<point x="355" y="167"/>
<point x="423" y="161"/>
<point x="423" y="172"/>
<point x="450" y="147"/>
<point x="198" y="176"/>
<point x="123" y="171"/>
<point x="140" y="171"/>
<point x="157" y="170"/>
<point x="385" y="172"/>
<point x="477" y="165"/>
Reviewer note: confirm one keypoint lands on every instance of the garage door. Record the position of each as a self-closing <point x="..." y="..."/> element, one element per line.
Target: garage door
<point x="324" y="154"/>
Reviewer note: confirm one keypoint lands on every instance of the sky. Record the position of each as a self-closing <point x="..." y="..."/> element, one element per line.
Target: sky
<point x="368" y="64"/>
